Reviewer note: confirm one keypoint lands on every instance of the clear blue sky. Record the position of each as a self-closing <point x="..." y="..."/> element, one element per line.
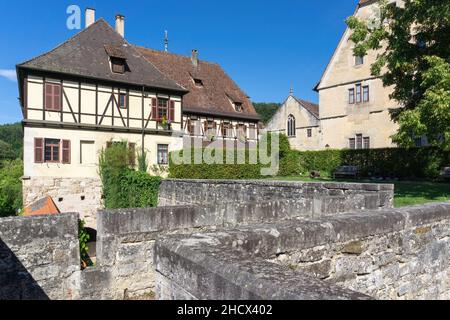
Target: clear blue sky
<point x="265" y="46"/>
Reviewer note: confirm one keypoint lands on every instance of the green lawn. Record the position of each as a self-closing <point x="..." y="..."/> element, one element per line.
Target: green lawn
<point x="406" y="192"/>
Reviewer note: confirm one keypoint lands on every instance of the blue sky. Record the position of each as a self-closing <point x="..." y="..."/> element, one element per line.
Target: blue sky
<point x="265" y="46"/>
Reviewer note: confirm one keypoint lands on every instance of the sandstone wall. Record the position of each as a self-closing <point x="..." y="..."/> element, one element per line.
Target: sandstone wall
<point x="83" y="195"/>
<point x="384" y="254"/>
<point x="39" y="257"/>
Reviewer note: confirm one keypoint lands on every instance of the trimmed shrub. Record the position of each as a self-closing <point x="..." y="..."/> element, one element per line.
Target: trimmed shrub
<point x="421" y="163"/>
<point x="214" y="171"/>
<point x="290" y="165"/>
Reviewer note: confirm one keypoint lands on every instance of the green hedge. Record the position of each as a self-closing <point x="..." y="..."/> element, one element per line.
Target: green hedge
<point x="390" y="162"/>
<point x="214" y="171"/>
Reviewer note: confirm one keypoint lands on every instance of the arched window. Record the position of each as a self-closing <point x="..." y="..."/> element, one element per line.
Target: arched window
<point x="291" y="126"/>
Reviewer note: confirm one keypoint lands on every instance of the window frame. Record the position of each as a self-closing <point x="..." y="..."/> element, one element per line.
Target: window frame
<point x="351" y="96"/>
<point x="165" y="149"/>
<point x="291" y="126"/>
<point x="358" y="88"/>
<point x="309" y="133"/>
<point x="366" y="142"/>
<point x="159" y="108"/>
<point x="365" y="92"/>
<point x="359" y="141"/>
<point x="125" y="101"/>
<point x="359" y="62"/>
<point x="118" y="65"/>
<point x="52" y="151"/>
<point x="52" y="96"/>
<point x="352" y="143"/>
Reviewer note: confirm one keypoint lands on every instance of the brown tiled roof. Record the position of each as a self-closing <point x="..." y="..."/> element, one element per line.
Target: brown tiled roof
<point x="41" y="207"/>
<point x="363" y="2"/>
<point x="86" y="55"/>
<point x="311" y="107"/>
<point x="217" y="91"/>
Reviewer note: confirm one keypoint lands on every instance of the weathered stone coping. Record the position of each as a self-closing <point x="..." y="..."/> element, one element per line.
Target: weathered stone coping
<point x="293" y="184"/>
<point x="232" y="264"/>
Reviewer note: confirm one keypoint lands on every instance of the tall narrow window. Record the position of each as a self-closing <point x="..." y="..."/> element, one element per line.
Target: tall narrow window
<point x="163" y="154"/>
<point x="366" y="142"/>
<point x="366" y="95"/>
<point x="358" y="93"/>
<point x="309" y="133"/>
<point x="52" y="97"/>
<point x="359" y="60"/>
<point x="227" y="130"/>
<point x="66" y="156"/>
<point x="38" y="150"/>
<point x="122" y="101"/>
<point x="291" y="126"/>
<point x="242" y="131"/>
<point x="52" y="150"/>
<point x="351" y="95"/>
<point x="253" y="132"/>
<point x="163" y="109"/>
<point x="359" y="141"/>
<point x="352" y="143"/>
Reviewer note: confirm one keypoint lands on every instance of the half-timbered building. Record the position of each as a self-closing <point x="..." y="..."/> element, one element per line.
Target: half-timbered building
<point x="96" y="89"/>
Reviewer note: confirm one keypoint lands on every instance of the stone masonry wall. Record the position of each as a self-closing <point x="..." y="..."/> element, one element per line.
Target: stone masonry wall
<point x="83" y="195"/>
<point x="39" y="257"/>
<point x="350" y="196"/>
<point x="385" y="254"/>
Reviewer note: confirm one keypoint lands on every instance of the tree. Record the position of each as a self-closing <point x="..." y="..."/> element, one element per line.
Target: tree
<point x="414" y="45"/>
<point x="266" y="110"/>
<point x="11" y="173"/>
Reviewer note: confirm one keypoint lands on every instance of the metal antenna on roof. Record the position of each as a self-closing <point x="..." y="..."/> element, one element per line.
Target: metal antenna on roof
<point x="166" y="41"/>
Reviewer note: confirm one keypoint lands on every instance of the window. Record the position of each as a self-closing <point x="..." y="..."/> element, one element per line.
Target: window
<point x="359" y="60"/>
<point x="358" y="93"/>
<point x="122" y="101"/>
<point x="210" y="127"/>
<point x="366" y="95"/>
<point x="359" y="141"/>
<point x="227" y="129"/>
<point x="162" y="109"/>
<point x="51" y="151"/>
<point x="351" y="96"/>
<point x="238" y="106"/>
<point x="309" y="133"/>
<point x="352" y="143"/>
<point x="118" y="65"/>
<point x="163" y="154"/>
<point x="53" y="97"/>
<point x="291" y="130"/>
<point x="366" y="143"/>
<point x="198" y="83"/>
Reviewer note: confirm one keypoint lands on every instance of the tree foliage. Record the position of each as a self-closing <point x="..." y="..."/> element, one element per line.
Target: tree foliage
<point x="11" y="173"/>
<point x="11" y="141"/>
<point x="266" y="110"/>
<point x="414" y="45"/>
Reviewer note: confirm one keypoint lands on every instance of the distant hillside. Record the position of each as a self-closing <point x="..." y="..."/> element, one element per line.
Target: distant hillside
<point x="266" y="110"/>
<point x="11" y="141"/>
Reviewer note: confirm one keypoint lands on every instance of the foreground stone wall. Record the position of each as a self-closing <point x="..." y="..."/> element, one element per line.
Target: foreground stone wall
<point x="83" y="195"/>
<point x="39" y="257"/>
<point x="348" y="196"/>
<point x="386" y="254"/>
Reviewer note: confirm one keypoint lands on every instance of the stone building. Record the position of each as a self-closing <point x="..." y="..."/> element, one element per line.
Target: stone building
<point x="299" y="120"/>
<point x="96" y="89"/>
<point x="354" y="106"/>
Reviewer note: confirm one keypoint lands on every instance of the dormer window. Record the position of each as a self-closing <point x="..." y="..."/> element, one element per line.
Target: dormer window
<point x="238" y="106"/>
<point x="198" y="83"/>
<point x="117" y="59"/>
<point x="118" y="65"/>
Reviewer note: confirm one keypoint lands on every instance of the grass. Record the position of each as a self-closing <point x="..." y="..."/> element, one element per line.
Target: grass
<point x="406" y="192"/>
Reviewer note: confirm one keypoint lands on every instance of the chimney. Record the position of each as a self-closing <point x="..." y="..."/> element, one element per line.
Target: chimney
<point x="194" y="57"/>
<point x="120" y="25"/>
<point x="90" y="17"/>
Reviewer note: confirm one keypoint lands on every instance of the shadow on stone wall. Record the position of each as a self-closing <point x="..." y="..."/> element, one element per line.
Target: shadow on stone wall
<point x="15" y="280"/>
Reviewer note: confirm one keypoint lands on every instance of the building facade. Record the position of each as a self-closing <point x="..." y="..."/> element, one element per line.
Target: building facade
<point x="354" y="106"/>
<point x="299" y="120"/>
<point x="94" y="90"/>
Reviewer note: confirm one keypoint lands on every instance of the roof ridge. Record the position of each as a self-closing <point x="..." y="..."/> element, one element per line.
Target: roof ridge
<point x="174" y="54"/>
<point x="66" y="41"/>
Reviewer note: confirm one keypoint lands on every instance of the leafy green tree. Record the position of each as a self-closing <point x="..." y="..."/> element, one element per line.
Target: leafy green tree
<point x="11" y="135"/>
<point x="11" y="173"/>
<point x="266" y="110"/>
<point x="414" y="45"/>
